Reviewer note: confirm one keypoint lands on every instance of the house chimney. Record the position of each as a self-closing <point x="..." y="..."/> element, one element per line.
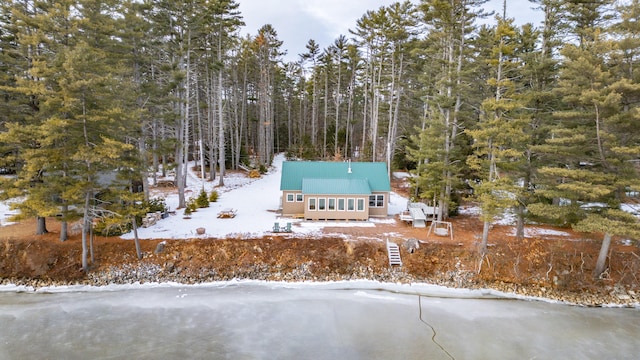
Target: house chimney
<point x="349" y="170"/>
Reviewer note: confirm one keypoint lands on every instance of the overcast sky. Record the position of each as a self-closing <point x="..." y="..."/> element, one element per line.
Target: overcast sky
<point x="297" y="21"/>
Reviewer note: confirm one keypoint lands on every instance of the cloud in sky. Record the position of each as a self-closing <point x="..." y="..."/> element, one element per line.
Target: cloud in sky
<point x="520" y="10"/>
<point x="339" y="15"/>
<point x="298" y="21"/>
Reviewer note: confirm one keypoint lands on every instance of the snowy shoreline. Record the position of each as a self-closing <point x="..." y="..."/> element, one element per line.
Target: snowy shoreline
<point x="435" y="290"/>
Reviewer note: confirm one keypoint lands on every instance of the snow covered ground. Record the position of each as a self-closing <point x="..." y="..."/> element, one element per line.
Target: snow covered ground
<point x="6" y="213"/>
<point x="256" y="202"/>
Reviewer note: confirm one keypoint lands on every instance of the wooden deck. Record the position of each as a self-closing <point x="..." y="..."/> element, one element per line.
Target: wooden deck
<point x="418" y="214"/>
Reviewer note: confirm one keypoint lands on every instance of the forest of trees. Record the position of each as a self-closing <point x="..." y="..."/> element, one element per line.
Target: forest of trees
<point x="542" y="120"/>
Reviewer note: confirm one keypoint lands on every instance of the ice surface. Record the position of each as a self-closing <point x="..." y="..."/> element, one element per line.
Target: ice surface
<point x="343" y="320"/>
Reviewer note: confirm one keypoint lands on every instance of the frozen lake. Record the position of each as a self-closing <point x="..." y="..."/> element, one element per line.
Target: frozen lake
<point x="326" y="321"/>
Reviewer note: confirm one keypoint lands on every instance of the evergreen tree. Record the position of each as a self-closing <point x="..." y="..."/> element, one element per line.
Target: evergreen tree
<point x="268" y="49"/>
<point x="499" y="138"/>
<point x="588" y="171"/>
<point x="312" y="54"/>
<point x="75" y="136"/>
<point x="446" y="78"/>
<point x="370" y="37"/>
<point x="538" y="50"/>
<point x="15" y="107"/>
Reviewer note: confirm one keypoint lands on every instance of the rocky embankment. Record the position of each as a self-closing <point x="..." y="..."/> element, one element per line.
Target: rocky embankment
<point x="465" y="280"/>
<point x="288" y="260"/>
<point x="153" y="273"/>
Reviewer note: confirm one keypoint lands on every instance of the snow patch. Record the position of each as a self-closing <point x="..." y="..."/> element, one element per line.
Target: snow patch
<point x="536" y="232"/>
<point x="6" y="212"/>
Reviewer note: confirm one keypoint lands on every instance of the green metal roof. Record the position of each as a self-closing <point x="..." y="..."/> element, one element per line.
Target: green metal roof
<point x="375" y="173"/>
<point x="336" y="186"/>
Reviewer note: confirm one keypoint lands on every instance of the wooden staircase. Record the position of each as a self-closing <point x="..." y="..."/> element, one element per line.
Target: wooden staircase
<point x="394" y="254"/>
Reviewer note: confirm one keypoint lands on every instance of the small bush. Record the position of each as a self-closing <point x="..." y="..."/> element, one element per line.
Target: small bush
<point x="113" y="226"/>
<point x="263" y="169"/>
<point x="202" y="201"/>
<point x="154" y="205"/>
<point x="254" y="174"/>
<point x="213" y="197"/>
<point x="118" y="225"/>
<point x="192" y="205"/>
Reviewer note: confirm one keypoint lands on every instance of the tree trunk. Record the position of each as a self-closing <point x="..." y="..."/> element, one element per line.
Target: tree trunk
<point x="211" y="127"/>
<point x="85" y="228"/>
<point x="41" y="226"/>
<point x="326" y="114"/>
<point x="485" y="237"/>
<point x="394" y="107"/>
<point x="520" y="222"/>
<point x="182" y="130"/>
<point x="144" y="176"/>
<point x="337" y="109"/>
<point x="156" y="159"/>
<point x="221" y="129"/>
<point x="135" y="238"/>
<point x="91" y="238"/>
<point x="375" y="112"/>
<point x="64" y="231"/>
<point x="201" y="137"/>
<point x="348" y="138"/>
<point x="602" y="256"/>
<point x="314" y="111"/>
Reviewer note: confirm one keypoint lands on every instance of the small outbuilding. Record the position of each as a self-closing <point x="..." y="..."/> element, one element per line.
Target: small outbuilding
<point x="322" y="190"/>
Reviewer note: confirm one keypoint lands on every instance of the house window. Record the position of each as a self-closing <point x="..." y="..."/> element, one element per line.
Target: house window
<point x="322" y="204"/>
<point x="351" y="204"/>
<point x="312" y="204"/>
<point x="332" y="204"/>
<point x="360" y="204"/>
<point x="298" y="197"/>
<point x="289" y="197"/>
<point x="376" y="200"/>
<point x="340" y="204"/>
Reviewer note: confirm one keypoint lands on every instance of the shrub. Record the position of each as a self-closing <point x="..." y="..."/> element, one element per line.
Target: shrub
<point x="202" y="201"/>
<point x="154" y="205"/>
<point x="213" y="197"/>
<point x="254" y="174"/>
<point x="192" y="205"/>
<point x="113" y="226"/>
<point x="187" y="211"/>
<point x="118" y="225"/>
